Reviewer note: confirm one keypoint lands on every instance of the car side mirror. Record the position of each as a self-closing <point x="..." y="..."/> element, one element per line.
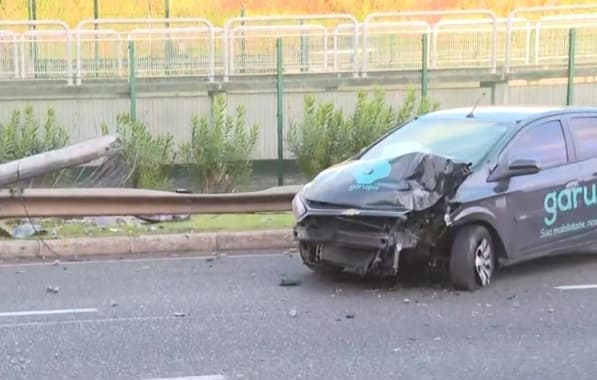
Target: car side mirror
<point x="523" y="167"/>
<point x="515" y="168"/>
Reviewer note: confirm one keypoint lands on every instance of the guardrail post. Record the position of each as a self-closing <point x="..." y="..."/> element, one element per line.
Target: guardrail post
<point x="280" y="110"/>
<point x="571" y="65"/>
<point x="132" y="80"/>
<point x="424" y="68"/>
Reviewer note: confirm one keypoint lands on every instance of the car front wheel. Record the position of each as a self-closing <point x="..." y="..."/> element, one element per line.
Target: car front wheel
<point x="472" y="258"/>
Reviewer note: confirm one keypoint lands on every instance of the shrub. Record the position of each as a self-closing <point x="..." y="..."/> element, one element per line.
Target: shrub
<point x="218" y="153"/>
<point x="148" y="157"/>
<point x="325" y="137"/>
<point x="23" y="135"/>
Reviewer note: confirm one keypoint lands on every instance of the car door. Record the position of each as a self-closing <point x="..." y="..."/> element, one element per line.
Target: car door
<point x="541" y="217"/>
<point x="583" y="130"/>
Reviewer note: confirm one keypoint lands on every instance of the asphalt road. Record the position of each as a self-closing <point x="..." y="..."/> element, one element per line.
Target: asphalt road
<point x="229" y="319"/>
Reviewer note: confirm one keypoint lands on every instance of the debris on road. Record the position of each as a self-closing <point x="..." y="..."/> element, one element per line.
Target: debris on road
<point x="293" y="313"/>
<point x="113" y="303"/>
<point x="53" y="289"/>
<point x="289" y="281"/>
<point x="349" y="316"/>
<point x="26" y="230"/>
<point x="406" y="300"/>
<point x="179" y="314"/>
<point x="163" y="218"/>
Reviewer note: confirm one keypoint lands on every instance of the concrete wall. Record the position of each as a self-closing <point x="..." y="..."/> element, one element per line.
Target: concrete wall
<point x="170" y="106"/>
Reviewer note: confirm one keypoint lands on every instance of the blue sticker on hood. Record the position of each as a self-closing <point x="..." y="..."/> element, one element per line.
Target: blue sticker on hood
<point x="368" y="172"/>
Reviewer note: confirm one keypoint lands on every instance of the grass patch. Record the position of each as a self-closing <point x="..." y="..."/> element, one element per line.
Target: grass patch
<point x="57" y="228"/>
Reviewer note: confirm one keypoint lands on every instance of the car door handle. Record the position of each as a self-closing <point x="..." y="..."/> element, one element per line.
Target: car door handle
<point x="571" y="184"/>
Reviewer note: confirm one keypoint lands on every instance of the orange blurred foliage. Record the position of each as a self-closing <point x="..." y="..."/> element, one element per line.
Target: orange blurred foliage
<point x="217" y="11"/>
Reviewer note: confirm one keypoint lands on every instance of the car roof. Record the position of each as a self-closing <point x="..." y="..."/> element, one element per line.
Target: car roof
<point x="505" y="114"/>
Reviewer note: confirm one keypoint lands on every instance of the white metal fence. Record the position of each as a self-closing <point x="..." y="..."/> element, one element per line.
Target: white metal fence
<point x="530" y="38"/>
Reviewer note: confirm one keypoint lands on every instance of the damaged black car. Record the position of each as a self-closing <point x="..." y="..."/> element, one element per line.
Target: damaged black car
<point x="462" y="191"/>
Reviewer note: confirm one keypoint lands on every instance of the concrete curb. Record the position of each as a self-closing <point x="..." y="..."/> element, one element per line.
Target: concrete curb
<point x="201" y="243"/>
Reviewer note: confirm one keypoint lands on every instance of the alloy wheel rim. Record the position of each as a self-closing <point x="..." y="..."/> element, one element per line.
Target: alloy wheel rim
<point x="484" y="262"/>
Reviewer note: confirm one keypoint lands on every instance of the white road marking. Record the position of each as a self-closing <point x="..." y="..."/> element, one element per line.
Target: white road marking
<point x="148" y="259"/>
<point x="46" y="312"/>
<point x="577" y="287"/>
<point x="205" y="377"/>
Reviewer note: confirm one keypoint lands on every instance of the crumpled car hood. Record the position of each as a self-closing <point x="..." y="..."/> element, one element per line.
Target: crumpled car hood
<point x="413" y="181"/>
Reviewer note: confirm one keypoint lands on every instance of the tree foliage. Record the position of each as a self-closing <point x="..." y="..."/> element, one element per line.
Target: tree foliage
<point x="217" y="11"/>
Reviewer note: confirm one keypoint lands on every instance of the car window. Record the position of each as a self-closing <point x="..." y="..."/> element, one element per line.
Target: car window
<point x="544" y="143"/>
<point x="584" y="131"/>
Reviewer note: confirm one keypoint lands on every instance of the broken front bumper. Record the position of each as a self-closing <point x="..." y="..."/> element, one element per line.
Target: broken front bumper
<point x="361" y="241"/>
<point x="344" y="238"/>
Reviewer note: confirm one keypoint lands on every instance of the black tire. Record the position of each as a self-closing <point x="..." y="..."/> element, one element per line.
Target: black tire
<point x="471" y="265"/>
<point x="307" y="252"/>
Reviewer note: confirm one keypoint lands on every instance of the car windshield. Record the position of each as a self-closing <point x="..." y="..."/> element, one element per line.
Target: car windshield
<point x="466" y="140"/>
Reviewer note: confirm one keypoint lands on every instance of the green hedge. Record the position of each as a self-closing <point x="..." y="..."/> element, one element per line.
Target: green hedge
<point x="325" y="136"/>
<point x="216" y="157"/>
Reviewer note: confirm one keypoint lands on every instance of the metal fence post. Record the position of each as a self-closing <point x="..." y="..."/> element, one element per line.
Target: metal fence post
<point x="424" y="68"/>
<point x="303" y="50"/>
<point x="95" y="17"/>
<point x="132" y="80"/>
<point x="168" y="48"/>
<point x="280" y="110"/>
<point x="571" y="66"/>
<point x="242" y="41"/>
<point x="32" y="13"/>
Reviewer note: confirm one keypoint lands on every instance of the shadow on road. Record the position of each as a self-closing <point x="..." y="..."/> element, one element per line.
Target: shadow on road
<point x="547" y="265"/>
<point x="419" y="278"/>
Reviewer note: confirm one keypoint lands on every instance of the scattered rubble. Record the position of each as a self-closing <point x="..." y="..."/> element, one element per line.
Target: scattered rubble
<point x="289" y="281"/>
<point x="53" y="289"/>
<point x="27" y="229"/>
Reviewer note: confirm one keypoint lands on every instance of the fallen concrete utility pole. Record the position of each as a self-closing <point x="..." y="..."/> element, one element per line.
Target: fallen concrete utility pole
<point x="82" y="202"/>
<point x="53" y="160"/>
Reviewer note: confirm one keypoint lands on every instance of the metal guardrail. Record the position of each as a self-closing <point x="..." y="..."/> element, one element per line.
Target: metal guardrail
<point x="9" y="55"/>
<point x="148" y="22"/>
<point x="425" y="14"/>
<point x="247" y="22"/>
<point x="56" y="24"/>
<point x="312" y="43"/>
<point x="515" y="14"/>
<point x="67" y="203"/>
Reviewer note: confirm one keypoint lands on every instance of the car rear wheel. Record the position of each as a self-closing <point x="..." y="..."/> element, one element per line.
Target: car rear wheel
<point x="309" y="255"/>
<point x="472" y="258"/>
